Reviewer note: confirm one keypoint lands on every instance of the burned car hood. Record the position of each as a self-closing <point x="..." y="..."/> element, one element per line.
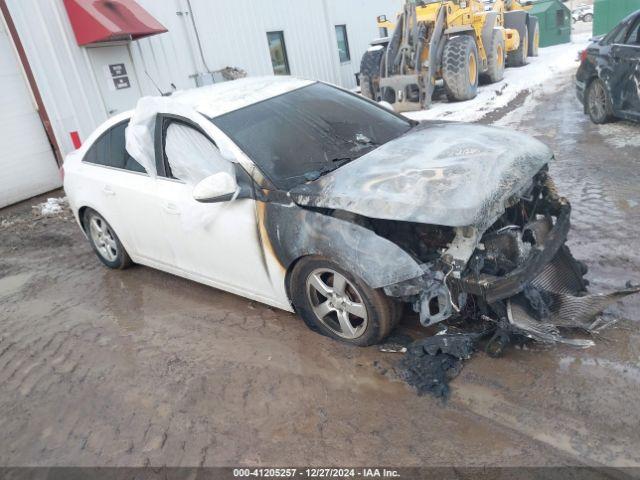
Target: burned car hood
<point x="450" y="174"/>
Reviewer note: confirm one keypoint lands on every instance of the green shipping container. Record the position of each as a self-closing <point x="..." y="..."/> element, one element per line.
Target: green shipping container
<point x="608" y="13"/>
<point x="555" y="22"/>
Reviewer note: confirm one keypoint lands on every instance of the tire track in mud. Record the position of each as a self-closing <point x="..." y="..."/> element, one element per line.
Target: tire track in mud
<point x="566" y="433"/>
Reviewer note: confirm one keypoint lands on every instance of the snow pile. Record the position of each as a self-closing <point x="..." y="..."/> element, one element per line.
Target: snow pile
<point x="542" y="70"/>
<point x="53" y="206"/>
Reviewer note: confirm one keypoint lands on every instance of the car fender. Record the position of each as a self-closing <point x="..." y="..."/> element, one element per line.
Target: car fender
<point x="293" y="232"/>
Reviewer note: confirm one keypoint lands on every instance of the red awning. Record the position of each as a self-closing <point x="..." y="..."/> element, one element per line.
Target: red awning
<point x="109" y="20"/>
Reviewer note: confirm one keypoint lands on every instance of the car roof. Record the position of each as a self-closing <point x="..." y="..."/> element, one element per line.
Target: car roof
<point x="224" y="97"/>
<point x="215" y="100"/>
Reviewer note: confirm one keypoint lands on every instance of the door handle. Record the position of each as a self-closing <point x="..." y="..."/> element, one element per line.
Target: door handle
<point x="108" y="191"/>
<point x="171" y="209"/>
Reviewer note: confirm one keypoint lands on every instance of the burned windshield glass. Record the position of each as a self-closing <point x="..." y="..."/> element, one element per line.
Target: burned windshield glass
<point x="303" y="134"/>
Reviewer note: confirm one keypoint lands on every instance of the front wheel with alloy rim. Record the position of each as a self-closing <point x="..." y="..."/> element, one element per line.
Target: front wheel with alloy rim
<point x="340" y="305"/>
<point x="104" y="241"/>
<point x="598" y="102"/>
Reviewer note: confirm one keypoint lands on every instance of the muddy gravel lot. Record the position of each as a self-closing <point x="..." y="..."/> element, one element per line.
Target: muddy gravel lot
<point x="139" y="367"/>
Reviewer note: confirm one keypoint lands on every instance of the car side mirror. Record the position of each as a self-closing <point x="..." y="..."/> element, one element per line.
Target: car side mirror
<point x="219" y="187"/>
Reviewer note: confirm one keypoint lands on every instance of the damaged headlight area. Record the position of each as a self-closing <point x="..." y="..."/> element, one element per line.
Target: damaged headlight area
<point x="517" y="275"/>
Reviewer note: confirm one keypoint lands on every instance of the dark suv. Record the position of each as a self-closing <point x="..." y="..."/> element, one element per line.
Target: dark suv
<point x="608" y="80"/>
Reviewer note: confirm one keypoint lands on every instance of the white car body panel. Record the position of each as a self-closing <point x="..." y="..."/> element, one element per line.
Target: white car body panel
<point x="158" y="221"/>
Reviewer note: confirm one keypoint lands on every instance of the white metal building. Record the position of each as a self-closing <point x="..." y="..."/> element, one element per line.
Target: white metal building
<point x="59" y="79"/>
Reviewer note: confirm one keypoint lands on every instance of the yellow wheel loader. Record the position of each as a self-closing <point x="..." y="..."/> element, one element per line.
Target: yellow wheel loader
<point x="456" y="41"/>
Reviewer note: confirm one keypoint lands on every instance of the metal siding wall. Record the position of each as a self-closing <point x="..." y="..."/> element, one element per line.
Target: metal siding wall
<point x="233" y="33"/>
<point x="360" y="18"/>
<point x="66" y="84"/>
<point x="236" y="35"/>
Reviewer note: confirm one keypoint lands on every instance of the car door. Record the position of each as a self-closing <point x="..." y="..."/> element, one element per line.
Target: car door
<point x="626" y="58"/>
<point x="123" y="192"/>
<point x="218" y="243"/>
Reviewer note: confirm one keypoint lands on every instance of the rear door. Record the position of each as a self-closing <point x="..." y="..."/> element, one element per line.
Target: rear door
<point x="124" y="192"/>
<point x="627" y="58"/>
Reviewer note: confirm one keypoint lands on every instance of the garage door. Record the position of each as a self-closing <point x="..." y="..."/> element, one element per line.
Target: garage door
<point x="27" y="164"/>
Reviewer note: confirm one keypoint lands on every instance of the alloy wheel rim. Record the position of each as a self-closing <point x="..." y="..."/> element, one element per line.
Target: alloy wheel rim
<point x="103" y="238"/>
<point x="597" y="100"/>
<point x="336" y="303"/>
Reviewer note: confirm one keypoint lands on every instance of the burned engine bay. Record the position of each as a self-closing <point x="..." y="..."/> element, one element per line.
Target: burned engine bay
<point x="515" y="282"/>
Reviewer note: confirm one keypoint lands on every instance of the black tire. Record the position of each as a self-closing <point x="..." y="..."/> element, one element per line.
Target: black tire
<point x="534" y="36"/>
<point x="110" y="250"/>
<point x="495" y="58"/>
<point x="460" y="77"/>
<point x="370" y="73"/>
<point x="518" y="58"/>
<point x="382" y="312"/>
<point x="587" y="18"/>
<point x="598" y="102"/>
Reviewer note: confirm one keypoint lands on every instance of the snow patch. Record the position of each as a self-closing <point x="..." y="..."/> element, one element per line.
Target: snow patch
<point x="53" y="206"/>
<point x="538" y="75"/>
<point x="620" y="134"/>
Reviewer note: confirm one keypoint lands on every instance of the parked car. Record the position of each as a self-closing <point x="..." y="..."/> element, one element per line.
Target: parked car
<point x="583" y="13"/>
<point x="312" y="199"/>
<point x="608" y="79"/>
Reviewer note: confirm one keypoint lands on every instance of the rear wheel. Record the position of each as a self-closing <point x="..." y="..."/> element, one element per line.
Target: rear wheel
<point x="460" y="68"/>
<point x="587" y="18"/>
<point x="495" y="58"/>
<point x="518" y="58"/>
<point x="370" y="72"/>
<point x="104" y="241"/>
<point x="340" y="305"/>
<point x="598" y="102"/>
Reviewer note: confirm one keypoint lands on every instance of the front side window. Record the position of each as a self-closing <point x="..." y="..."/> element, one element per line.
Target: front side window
<point x="191" y="156"/>
<point x="278" y="52"/>
<point x="343" y="43"/>
<point x="109" y="150"/>
<point x="303" y="134"/>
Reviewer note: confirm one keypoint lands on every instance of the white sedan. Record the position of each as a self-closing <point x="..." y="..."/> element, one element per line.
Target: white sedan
<point x="312" y="199"/>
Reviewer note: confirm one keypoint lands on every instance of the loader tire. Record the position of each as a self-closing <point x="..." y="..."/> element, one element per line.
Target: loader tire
<point x="495" y="58"/>
<point x="460" y="68"/>
<point x="534" y="36"/>
<point x="518" y="58"/>
<point x="370" y="73"/>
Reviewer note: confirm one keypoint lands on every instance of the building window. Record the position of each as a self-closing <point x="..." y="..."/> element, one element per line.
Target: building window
<point x="343" y="43"/>
<point x="278" y="53"/>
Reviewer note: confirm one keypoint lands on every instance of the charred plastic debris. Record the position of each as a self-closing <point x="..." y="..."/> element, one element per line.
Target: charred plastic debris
<point x="520" y="284"/>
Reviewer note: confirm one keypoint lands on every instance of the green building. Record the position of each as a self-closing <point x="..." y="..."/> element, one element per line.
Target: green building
<point x="555" y="21"/>
<point x="608" y="13"/>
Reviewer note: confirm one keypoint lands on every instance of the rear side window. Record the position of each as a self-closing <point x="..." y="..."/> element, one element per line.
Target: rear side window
<point x="109" y="150"/>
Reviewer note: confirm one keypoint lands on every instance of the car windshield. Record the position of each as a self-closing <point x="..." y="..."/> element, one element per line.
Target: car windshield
<point x="303" y="134"/>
